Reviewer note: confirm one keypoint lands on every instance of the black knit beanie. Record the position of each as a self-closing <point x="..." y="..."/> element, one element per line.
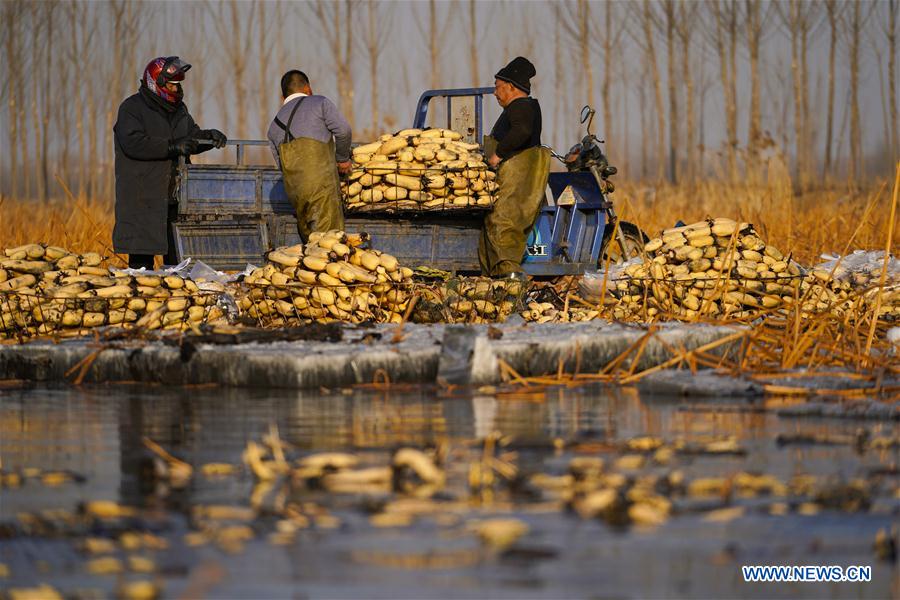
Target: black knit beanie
<point x="518" y="72"/>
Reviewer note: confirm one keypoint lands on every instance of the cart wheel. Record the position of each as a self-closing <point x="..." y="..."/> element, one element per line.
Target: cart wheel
<point x="635" y="239"/>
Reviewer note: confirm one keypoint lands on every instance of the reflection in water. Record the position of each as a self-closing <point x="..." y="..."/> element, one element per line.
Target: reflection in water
<point x="98" y="433"/>
<point x="484" y="409"/>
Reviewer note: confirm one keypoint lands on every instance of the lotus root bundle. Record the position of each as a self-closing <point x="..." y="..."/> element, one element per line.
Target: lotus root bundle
<point x="418" y="169"/>
<point x="720" y="268"/>
<point x="333" y="277"/>
<point x="47" y="290"/>
<point x="714" y="268"/>
<point x="468" y="300"/>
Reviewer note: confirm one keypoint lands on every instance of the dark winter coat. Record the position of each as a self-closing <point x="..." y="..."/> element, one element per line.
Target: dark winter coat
<point x="518" y="127"/>
<point x="145" y="171"/>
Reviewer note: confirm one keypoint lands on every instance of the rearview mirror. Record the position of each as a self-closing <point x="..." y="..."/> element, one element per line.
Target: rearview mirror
<point x="586" y="112"/>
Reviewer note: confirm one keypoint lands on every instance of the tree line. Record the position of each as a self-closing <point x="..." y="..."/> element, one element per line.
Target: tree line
<point x="684" y="90"/>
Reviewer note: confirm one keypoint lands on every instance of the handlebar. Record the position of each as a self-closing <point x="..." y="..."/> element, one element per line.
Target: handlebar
<point x="560" y="157"/>
<point x="239" y="145"/>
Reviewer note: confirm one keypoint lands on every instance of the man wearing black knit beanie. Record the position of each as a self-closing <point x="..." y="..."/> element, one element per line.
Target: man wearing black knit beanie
<point x="514" y="146"/>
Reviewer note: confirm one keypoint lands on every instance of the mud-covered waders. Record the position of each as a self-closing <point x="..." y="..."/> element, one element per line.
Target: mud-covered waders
<point x="522" y="182"/>
<point x="311" y="181"/>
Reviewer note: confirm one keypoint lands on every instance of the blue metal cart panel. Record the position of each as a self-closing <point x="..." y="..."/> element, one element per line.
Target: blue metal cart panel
<point x="223" y="207"/>
<point x="219" y="190"/>
<point x="226" y="245"/>
<point x="273" y="198"/>
<point x="475" y="126"/>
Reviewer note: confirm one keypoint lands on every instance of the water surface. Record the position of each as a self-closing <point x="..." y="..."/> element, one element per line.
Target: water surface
<point x="96" y="432"/>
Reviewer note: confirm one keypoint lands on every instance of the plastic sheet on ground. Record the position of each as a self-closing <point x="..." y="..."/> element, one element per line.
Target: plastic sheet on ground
<point x="862" y="267"/>
<point x="203" y="271"/>
<point x="591" y="285"/>
<point x="196" y="270"/>
<point x="180" y="269"/>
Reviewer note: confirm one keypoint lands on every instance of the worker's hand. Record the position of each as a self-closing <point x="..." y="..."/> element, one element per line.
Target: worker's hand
<point x="217" y="137"/>
<point x="183" y="147"/>
<point x="345" y="167"/>
<point x="493" y="161"/>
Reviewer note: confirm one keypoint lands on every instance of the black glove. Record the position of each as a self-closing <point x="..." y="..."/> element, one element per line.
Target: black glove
<point x="216" y="136"/>
<point x="183" y="147"/>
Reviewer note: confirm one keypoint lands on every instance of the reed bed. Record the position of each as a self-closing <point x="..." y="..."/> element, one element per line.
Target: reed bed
<point x="804" y="225"/>
<point x="77" y="224"/>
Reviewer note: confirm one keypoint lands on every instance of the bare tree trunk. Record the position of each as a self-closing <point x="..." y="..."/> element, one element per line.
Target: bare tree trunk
<point x="404" y="71"/>
<point x="584" y="48"/>
<point x="234" y="29"/>
<point x="264" y="51"/>
<point x="754" y="34"/>
<point x="799" y="22"/>
<point x="831" y="9"/>
<point x="199" y="54"/>
<point x="37" y="30"/>
<point x="280" y="49"/>
<point x="347" y="71"/>
<point x="732" y="59"/>
<point x="784" y="124"/>
<point x="657" y="91"/>
<point x="701" y="135"/>
<point x="525" y="45"/>
<point x="606" y="86"/>
<point x="794" y="24"/>
<point x="64" y="126"/>
<point x="238" y="65"/>
<point x="883" y="95"/>
<point x="12" y="12"/>
<point x="48" y="103"/>
<point x="376" y="38"/>
<point x="669" y="11"/>
<point x="124" y="26"/>
<point x="88" y="28"/>
<point x="842" y="156"/>
<point x="338" y="32"/>
<point x="806" y="131"/>
<point x="725" y="13"/>
<point x="645" y="133"/>
<point x="433" y="46"/>
<point x="626" y="138"/>
<point x="62" y="114"/>
<point x="473" y="43"/>
<point x="578" y="27"/>
<point x="117" y="30"/>
<point x="83" y="27"/>
<point x="75" y="61"/>
<point x="372" y="45"/>
<point x="685" y="28"/>
<point x="557" y="71"/>
<point x="855" y="171"/>
<point x="892" y="79"/>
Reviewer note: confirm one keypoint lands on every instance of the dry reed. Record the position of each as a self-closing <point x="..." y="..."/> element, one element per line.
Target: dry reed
<point x="77" y="224"/>
<point x="806" y="226"/>
<point x="803" y="226"/>
<point x="830" y="219"/>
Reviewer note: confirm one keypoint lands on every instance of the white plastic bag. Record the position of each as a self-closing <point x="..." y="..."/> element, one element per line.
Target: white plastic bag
<point x="862" y="267"/>
<point x="591" y="285"/>
<point x="180" y="269"/>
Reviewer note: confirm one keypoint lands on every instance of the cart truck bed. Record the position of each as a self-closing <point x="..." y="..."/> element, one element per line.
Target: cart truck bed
<point x="231" y="215"/>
